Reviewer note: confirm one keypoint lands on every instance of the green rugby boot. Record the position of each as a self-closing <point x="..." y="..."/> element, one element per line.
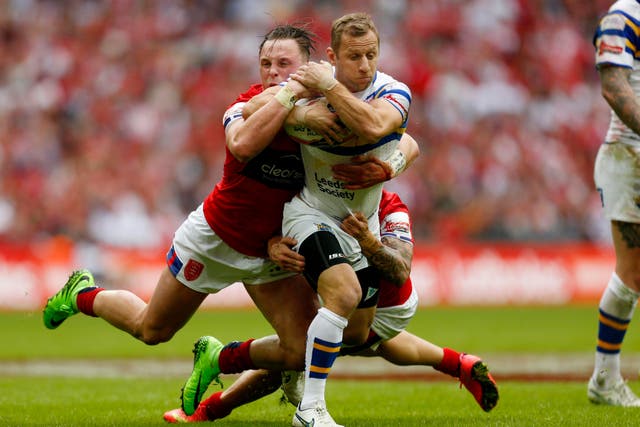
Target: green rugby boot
<point x="206" y="352"/>
<point x="63" y="304"/>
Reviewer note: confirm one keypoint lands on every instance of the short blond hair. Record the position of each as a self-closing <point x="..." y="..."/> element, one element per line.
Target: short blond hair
<point x="354" y="24"/>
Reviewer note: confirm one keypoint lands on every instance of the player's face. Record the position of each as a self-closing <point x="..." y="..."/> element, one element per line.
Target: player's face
<point x="278" y="59"/>
<point x="356" y="60"/>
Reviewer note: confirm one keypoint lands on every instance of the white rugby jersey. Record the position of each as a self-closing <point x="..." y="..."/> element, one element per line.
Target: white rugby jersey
<point x="617" y="42"/>
<point x="321" y="190"/>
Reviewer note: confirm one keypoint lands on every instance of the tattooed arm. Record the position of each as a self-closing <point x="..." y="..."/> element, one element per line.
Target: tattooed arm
<point x="618" y="93"/>
<point x="390" y="256"/>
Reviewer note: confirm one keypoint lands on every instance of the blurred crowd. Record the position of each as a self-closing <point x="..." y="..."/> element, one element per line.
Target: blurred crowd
<point x="111" y="112"/>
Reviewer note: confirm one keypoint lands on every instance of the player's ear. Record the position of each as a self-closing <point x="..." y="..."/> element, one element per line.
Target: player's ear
<point x="331" y="56"/>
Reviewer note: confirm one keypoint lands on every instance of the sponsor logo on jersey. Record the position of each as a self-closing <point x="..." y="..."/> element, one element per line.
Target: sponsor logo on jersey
<point x="193" y="269"/>
<point x="333" y="187"/>
<point x="604" y="47"/>
<point x="273" y="170"/>
<point x="396" y="226"/>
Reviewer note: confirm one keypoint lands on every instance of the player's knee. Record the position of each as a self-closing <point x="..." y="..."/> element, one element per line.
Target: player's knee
<point x="634" y="283"/>
<point x="151" y="336"/>
<point x="347" y="297"/>
<point x="340" y="292"/>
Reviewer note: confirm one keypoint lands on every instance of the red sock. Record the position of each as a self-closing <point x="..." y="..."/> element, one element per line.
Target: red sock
<point x="215" y="408"/>
<point x="234" y="357"/>
<point x="85" y="298"/>
<point x="450" y="364"/>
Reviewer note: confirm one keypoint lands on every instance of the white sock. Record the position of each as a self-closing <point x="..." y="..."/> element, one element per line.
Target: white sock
<point x="324" y="338"/>
<point x="618" y="301"/>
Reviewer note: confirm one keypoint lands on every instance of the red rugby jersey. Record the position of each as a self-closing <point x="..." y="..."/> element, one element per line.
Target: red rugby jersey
<point x="245" y="207"/>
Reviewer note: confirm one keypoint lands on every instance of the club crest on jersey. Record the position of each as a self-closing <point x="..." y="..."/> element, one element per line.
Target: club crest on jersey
<point x="193" y="269"/>
<point x="324" y="227"/>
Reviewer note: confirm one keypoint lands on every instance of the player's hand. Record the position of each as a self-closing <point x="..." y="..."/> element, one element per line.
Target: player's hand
<point x="362" y="172"/>
<point x="299" y="89"/>
<point x="281" y="252"/>
<point x="356" y="225"/>
<point x="319" y="118"/>
<point x="316" y="75"/>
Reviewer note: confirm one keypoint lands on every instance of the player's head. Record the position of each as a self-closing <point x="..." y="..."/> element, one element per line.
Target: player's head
<point x="282" y="51"/>
<point x="355" y="47"/>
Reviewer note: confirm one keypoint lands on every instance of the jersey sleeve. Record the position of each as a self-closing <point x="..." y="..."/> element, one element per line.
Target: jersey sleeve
<point x="395" y="221"/>
<point x="616" y="40"/>
<point x="397" y="94"/>
<point x="234" y="111"/>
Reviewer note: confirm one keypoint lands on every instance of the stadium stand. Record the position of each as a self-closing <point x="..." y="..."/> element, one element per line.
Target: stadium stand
<point x="110" y="112"/>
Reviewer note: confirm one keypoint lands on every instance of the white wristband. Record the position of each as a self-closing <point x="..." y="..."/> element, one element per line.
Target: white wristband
<point x="329" y="85"/>
<point x="397" y="162"/>
<point x="286" y="97"/>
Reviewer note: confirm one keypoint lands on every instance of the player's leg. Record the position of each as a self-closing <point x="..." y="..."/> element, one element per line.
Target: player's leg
<point x="338" y="287"/>
<point x="289" y="305"/>
<point x="407" y="349"/>
<point x="171" y="305"/>
<point x="357" y="329"/>
<point x="250" y="386"/>
<point x="616" y="309"/>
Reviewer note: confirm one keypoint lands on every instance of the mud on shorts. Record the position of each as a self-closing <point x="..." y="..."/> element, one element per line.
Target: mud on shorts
<point x="617" y="178"/>
<point x="202" y="261"/>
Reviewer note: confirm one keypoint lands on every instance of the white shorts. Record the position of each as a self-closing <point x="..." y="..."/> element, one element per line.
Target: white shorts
<point x="301" y="220"/>
<point x="617" y="178"/>
<point x="390" y="321"/>
<point x="200" y="260"/>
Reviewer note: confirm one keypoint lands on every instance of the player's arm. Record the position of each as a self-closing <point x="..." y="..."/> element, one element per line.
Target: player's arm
<point x="246" y="138"/>
<point x="369" y="120"/>
<point x="365" y="170"/>
<point x="391" y="256"/>
<point x="259" y="101"/>
<point x="617" y="91"/>
<point x="315" y="116"/>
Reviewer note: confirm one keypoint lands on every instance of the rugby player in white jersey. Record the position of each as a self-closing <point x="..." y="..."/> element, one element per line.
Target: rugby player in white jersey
<point x="374" y="107"/>
<point x="617" y="178"/>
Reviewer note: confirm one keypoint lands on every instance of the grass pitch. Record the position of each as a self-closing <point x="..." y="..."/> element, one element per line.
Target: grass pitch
<point x="87" y="399"/>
